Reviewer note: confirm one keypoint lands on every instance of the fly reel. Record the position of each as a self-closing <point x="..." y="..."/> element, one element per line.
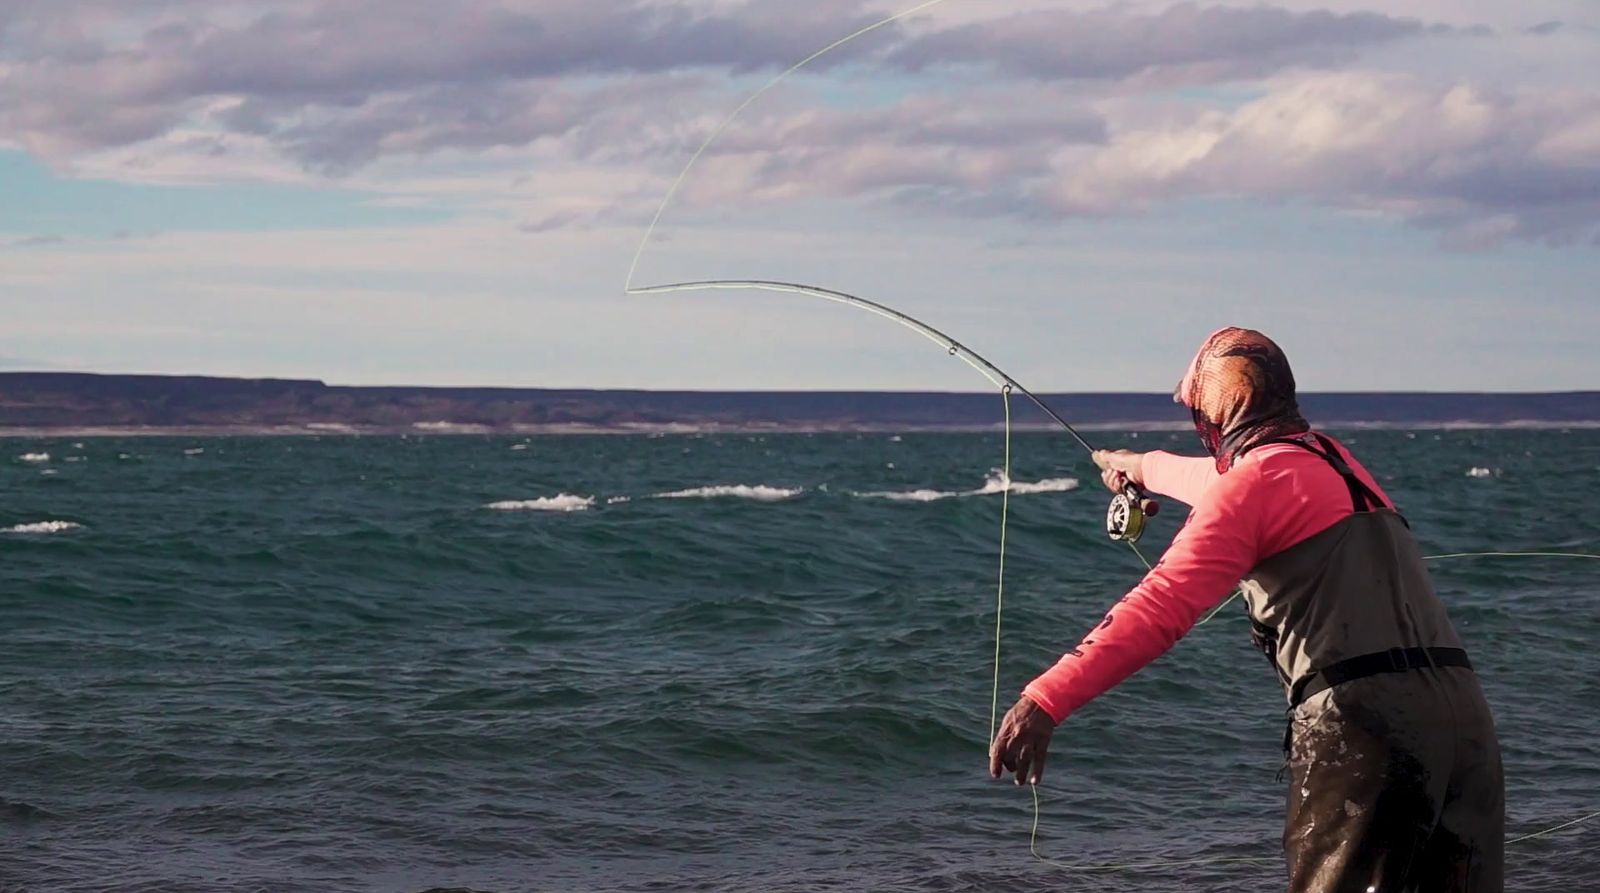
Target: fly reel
<point x="1125" y="517"/>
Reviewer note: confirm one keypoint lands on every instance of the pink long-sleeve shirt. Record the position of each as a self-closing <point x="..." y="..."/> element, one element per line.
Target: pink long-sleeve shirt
<point x="1272" y="498"/>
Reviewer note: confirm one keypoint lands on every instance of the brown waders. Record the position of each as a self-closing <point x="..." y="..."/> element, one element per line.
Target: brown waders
<point x="1395" y="782"/>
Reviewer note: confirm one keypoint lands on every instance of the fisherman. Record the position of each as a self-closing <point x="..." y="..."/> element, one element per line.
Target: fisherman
<point x="1395" y="775"/>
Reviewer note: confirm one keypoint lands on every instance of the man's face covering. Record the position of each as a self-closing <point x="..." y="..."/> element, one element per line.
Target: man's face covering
<point x="1240" y="392"/>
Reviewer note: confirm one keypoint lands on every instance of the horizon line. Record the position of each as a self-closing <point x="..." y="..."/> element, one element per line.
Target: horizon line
<point x="795" y="390"/>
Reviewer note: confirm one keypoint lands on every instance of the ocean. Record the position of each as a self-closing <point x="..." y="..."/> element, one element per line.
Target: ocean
<point x="696" y="662"/>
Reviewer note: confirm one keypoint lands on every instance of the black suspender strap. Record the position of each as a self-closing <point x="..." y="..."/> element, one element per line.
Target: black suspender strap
<point x="1362" y="498"/>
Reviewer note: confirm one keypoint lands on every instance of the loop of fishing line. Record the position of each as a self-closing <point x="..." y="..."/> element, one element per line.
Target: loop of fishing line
<point x="996" y="377"/>
<point x="1000" y="587"/>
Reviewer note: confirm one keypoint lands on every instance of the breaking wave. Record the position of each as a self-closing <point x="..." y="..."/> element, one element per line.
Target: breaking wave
<point x="34" y="457"/>
<point x="994" y="484"/>
<point x="760" y="493"/>
<point x="565" y="502"/>
<point x="44" y="527"/>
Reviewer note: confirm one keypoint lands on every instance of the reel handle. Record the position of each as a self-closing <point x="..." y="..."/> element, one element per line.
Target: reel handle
<point x="1146" y="504"/>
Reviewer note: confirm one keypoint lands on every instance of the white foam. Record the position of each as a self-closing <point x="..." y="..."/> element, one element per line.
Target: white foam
<point x="34" y="457"/>
<point x="44" y="527"/>
<point x="564" y="502"/>
<point x="450" y="428"/>
<point x="1048" y="485"/>
<point x="910" y="495"/>
<point x="994" y="484"/>
<point x="1479" y="473"/>
<point x="760" y="493"/>
<point x="197" y="451"/>
<point x="518" y="447"/>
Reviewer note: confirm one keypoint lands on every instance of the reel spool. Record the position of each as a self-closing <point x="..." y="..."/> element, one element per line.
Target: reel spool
<point x="1125" y="516"/>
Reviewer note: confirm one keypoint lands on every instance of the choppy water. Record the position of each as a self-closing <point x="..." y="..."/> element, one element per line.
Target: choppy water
<point x="398" y="664"/>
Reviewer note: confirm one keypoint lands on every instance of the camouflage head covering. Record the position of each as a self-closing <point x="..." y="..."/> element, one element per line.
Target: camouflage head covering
<point x="1240" y="390"/>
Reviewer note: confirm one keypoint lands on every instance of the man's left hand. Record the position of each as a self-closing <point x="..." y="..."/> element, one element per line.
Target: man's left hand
<point x="1022" y="742"/>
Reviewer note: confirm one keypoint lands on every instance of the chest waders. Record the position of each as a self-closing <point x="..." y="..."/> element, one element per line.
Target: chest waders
<point x="1395" y="776"/>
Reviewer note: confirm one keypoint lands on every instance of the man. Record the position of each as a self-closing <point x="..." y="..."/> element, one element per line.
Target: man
<point x="1395" y="769"/>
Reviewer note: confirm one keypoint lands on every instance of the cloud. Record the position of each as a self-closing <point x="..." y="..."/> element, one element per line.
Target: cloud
<point x="373" y="73"/>
<point x="578" y="112"/>
<point x="59" y="97"/>
<point x="1479" y="164"/>
<point x="963" y="144"/>
<point x="1187" y="41"/>
<point x="42" y="241"/>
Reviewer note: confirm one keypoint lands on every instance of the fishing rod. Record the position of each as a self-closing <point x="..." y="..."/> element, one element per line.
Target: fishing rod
<point x="1129" y="508"/>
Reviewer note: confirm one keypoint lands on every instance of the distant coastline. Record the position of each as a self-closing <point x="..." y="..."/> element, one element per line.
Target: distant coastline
<point x="88" y="405"/>
<point x="25" y="433"/>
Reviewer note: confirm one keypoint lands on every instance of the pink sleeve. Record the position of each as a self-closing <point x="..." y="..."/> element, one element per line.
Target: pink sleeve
<point x="1183" y="478"/>
<point x="1207" y="559"/>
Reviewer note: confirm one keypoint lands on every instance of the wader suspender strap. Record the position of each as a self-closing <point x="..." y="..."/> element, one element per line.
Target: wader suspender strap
<point x="1362" y="499"/>
<point x="1395" y="660"/>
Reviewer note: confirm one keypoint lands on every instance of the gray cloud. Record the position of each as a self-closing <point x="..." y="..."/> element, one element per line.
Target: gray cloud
<point x="1208" y="42"/>
<point x="607" y="119"/>
<point x="361" y="68"/>
<point x="63" y="92"/>
<point x="968" y="145"/>
<point x="973" y="149"/>
<point x="41" y="241"/>
<point x="335" y="85"/>
<point x="369" y="46"/>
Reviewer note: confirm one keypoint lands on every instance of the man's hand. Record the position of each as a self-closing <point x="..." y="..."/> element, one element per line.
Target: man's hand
<point x="1022" y="742"/>
<point x="1119" y="467"/>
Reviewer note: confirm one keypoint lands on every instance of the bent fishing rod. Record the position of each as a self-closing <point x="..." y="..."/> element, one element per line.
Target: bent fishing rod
<point x="1129" y="509"/>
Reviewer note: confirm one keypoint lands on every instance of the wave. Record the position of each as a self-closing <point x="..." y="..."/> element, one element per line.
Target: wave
<point x="451" y="428"/>
<point x="44" y="527"/>
<point x="564" y="502"/>
<point x="1479" y="472"/>
<point x="994" y="484"/>
<point x="760" y="493"/>
<point x="18" y="811"/>
<point x="34" y="457"/>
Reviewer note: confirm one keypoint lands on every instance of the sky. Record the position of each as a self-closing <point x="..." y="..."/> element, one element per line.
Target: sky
<point x="1405" y="195"/>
